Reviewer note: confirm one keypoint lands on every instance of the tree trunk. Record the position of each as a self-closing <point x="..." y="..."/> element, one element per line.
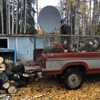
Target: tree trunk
<point x="9" y="15"/>
<point x="17" y="1"/>
<point x="1" y="2"/>
<point x="77" y="19"/>
<point x="25" y="16"/>
<point x="12" y="16"/>
<point x="90" y="17"/>
<point x="7" y="30"/>
<point x="21" y="20"/>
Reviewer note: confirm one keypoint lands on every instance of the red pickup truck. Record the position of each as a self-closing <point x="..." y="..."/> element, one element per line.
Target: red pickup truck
<point x="71" y="66"/>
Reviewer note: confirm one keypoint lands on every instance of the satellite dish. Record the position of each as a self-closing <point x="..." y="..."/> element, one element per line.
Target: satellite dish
<point x="49" y="19"/>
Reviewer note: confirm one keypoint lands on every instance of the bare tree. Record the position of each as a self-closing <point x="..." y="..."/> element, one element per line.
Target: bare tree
<point x="87" y="15"/>
<point x="12" y="16"/>
<point x="77" y="17"/>
<point x="1" y="8"/>
<point x="21" y="11"/>
<point x="25" y="16"/>
<point x="17" y="1"/>
<point x="7" y="28"/>
<point x="8" y="15"/>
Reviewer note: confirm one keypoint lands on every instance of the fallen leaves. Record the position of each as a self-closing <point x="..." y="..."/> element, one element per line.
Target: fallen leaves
<point x="50" y="88"/>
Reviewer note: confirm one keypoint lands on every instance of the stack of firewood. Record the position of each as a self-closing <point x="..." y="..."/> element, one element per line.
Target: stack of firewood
<point x="12" y="76"/>
<point x="87" y="44"/>
<point x="84" y="45"/>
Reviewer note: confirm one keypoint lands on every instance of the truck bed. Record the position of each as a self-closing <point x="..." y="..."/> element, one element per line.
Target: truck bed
<point x="72" y="55"/>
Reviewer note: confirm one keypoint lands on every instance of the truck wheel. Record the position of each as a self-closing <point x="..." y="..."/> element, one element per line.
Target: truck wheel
<point x="73" y="79"/>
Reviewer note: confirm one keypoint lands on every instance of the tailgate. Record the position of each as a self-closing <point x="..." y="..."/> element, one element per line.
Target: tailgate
<point x="31" y="65"/>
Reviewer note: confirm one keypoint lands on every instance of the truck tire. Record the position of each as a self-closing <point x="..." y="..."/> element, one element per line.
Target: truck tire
<point x="73" y="79"/>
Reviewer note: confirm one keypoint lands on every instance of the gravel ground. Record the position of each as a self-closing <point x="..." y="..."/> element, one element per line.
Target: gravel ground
<point x="50" y="88"/>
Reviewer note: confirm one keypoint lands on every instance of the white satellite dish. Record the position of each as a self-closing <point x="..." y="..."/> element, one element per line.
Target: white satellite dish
<point x="49" y="19"/>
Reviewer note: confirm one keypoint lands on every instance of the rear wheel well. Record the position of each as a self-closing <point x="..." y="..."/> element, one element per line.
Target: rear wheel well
<point x="79" y="67"/>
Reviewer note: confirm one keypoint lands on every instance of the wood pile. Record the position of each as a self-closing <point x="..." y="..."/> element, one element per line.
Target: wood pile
<point x="12" y="76"/>
<point x="73" y="45"/>
<point x="83" y="45"/>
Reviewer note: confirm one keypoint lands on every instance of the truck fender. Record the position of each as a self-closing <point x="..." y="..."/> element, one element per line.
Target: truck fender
<point x="75" y="64"/>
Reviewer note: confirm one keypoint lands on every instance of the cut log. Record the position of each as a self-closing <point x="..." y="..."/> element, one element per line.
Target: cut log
<point x="2" y="66"/>
<point x="90" y="43"/>
<point x="12" y="81"/>
<point x="65" y="42"/>
<point x="39" y="74"/>
<point x="95" y="41"/>
<point x="15" y="77"/>
<point x="9" y="64"/>
<point x="95" y="46"/>
<point x="82" y="45"/>
<point x="72" y="49"/>
<point x="3" y="77"/>
<point x="9" y="73"/>
<point x="98" y="50"/>
<point x="1" y="60"/>
<point x="21" y="83"/>
<point x="65" y="50"/>
<point x="13" y="88"/>
<point x="2" y="96"/>
<point x="19" y="73"/>
<point x="18" y="68"/>
<point x="8" y="61"/>
<point x="2" y="91"/>
<point x="6" y="85"/>
<point x="25" y="77"/>
<point x="87" y="49"/>
<point x="87" y="46"/>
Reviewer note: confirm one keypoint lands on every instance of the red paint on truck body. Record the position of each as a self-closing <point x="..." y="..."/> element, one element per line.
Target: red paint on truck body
<point x="86" y="55"/>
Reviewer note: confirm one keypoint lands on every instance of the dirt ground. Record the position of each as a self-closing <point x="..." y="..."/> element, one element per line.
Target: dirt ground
<point x="50" y="88"/>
